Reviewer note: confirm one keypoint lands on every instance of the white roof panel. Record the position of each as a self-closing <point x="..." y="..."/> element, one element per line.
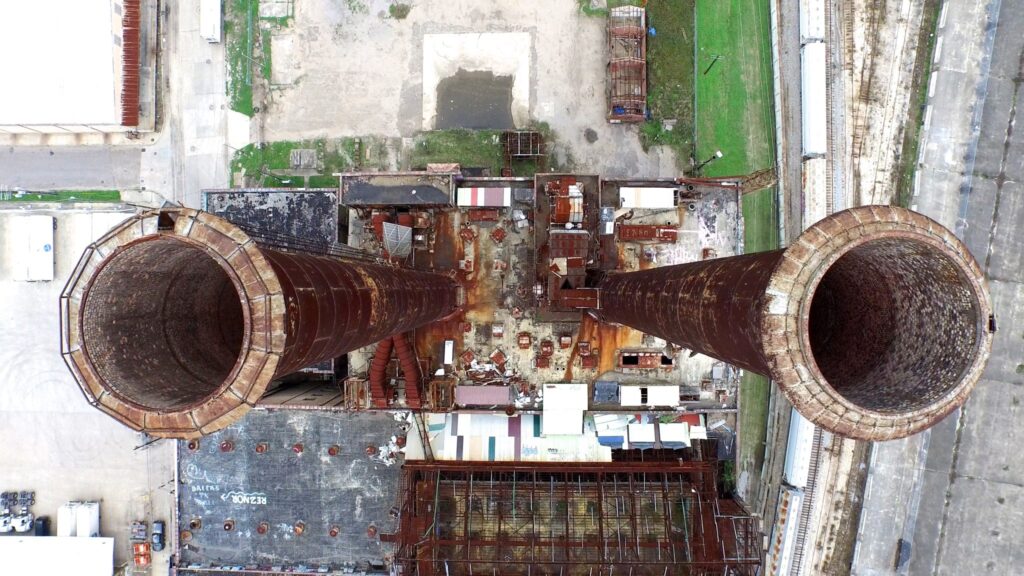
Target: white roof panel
<point x="649" y="197"/>
<point x="64" y="71"/>
<point x="57" y="556"/>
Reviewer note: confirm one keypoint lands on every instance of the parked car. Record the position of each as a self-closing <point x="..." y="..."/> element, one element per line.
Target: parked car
<point x="157" y="537"/>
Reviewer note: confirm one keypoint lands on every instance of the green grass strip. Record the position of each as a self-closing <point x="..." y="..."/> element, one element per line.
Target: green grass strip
<point x="64" y="196"/>
<point x="734" y="95"/>
<point x="240" y="25"/>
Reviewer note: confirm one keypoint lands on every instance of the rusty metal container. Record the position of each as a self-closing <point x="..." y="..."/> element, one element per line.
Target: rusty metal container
<point x="875" y="322"/>
<point x="176" y="321"/>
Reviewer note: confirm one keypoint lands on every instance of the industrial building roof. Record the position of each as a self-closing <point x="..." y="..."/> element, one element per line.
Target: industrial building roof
<point x="67" y="65"/>
<point x="397" y="189"/>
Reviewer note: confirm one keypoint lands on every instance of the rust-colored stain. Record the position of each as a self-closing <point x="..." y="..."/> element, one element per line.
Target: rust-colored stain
<point x="131" y="49"/>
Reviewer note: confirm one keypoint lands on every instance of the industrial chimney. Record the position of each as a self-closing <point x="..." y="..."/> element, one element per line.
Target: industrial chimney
<point x="176" y="321"/>
<point x="875" y="322"/>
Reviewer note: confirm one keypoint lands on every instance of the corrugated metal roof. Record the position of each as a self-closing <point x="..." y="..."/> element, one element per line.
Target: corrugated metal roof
<point x="483" y="395"/>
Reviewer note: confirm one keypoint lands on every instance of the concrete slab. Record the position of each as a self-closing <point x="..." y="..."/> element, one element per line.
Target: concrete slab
<point x="983" y="535"/>
<point x="987" y="428"/>
<point x="60" y="446"/>
<point x="1006" y="261"/>
<point x="283" y="487"/>
<point x="503" y="54"/>
<point x="993" y="125"/>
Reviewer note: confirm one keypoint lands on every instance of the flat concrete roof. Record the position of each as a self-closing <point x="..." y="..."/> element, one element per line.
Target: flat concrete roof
<point x="61" y="63"/>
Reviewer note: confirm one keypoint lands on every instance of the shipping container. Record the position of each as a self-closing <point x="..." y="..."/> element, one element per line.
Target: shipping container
<point x="483" y="395"/>
<point x="813" y="101"/>
<point x="649" y="395"/>
<point x="30" y="241"/>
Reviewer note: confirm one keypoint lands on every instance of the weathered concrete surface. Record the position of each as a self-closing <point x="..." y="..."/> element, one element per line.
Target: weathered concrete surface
<point x="963" y="513"/>
<point x="54" y="442"/>
<point x="70" y="168"/>
<point x="335" y="51"/>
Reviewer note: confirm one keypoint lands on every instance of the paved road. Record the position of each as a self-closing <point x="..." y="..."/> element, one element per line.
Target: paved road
<point x="66" y="167"/>
<point x="961" y="502"/>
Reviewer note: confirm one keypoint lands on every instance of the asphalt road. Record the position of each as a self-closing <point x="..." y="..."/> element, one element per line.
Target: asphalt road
<point x="959" y="499"/>
<point x="70" y="168"/>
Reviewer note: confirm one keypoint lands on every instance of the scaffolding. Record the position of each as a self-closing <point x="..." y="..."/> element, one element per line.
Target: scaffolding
<point x="521" y="145"/>
<point x="571" y="519"/>
<point x="627" y="65"/>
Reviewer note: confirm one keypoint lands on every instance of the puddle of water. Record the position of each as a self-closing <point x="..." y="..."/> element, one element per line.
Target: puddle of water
<point x="475" y="100"/>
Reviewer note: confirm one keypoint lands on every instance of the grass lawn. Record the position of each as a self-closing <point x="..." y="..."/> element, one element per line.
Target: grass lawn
<point x="734" y="108"/>
<point x="670" y="79"/>
<point x="65" y="196"/>
<point x="760" y="214"/>
<point x="735" y="114"/>
<point x="474" y="149"/>
<point x="266" y="60"/>
<point x="470" y="148"/>
<point x="760" y="233"/>
<point x="241" y="24"/>
<point x="918" y="100"/>
<point x="335" y="155"/>
<point x="753" y="417"/>
<point x="242" y="27"/>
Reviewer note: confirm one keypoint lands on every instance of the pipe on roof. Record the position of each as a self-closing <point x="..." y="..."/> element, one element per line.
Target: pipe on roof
<point x="410" y="369"/>
<point x="379" y="394"/>
<point x="875" y="322"/>
<point x="176" y="321"/>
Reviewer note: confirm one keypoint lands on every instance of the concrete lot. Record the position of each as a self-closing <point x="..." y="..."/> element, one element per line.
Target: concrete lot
<point x="330" y="55"/>
<point x="198" y="133"/>
<point x="55" y="443"/>
<point x="70" y="168"/>
<point x="957" y="499"/>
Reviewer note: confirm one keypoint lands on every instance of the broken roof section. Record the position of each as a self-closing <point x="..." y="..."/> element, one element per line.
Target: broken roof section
<point x="307" y="214"/>
<point x="369" y="189"/>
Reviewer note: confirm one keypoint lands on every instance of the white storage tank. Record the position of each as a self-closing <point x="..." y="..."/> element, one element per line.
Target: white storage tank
<point x="813" y="100"/>
<point x="88" y="519"/>
<point x="67" y="519"/>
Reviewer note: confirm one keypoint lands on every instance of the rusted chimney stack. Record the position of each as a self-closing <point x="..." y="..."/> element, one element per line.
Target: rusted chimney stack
<point x="875" y="322"/>
<point x="176" y="321"/>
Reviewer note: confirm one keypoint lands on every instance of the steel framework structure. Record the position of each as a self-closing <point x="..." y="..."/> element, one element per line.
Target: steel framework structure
<point x="637" y="518"/>
<point x="627" y="64"/>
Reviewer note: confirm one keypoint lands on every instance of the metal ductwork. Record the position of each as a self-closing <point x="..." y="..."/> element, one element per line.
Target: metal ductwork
<point x="176" y="321"/>
<point x="876" y="322"/>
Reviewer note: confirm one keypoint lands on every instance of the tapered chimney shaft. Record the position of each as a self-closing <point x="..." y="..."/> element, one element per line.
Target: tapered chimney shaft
<point x="875" y="322"/>
<point x="176" y="321"/>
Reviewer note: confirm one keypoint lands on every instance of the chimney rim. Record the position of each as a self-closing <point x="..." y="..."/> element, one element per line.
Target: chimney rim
<point x="795" y="369"/>
<point x="262" y="342"/>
